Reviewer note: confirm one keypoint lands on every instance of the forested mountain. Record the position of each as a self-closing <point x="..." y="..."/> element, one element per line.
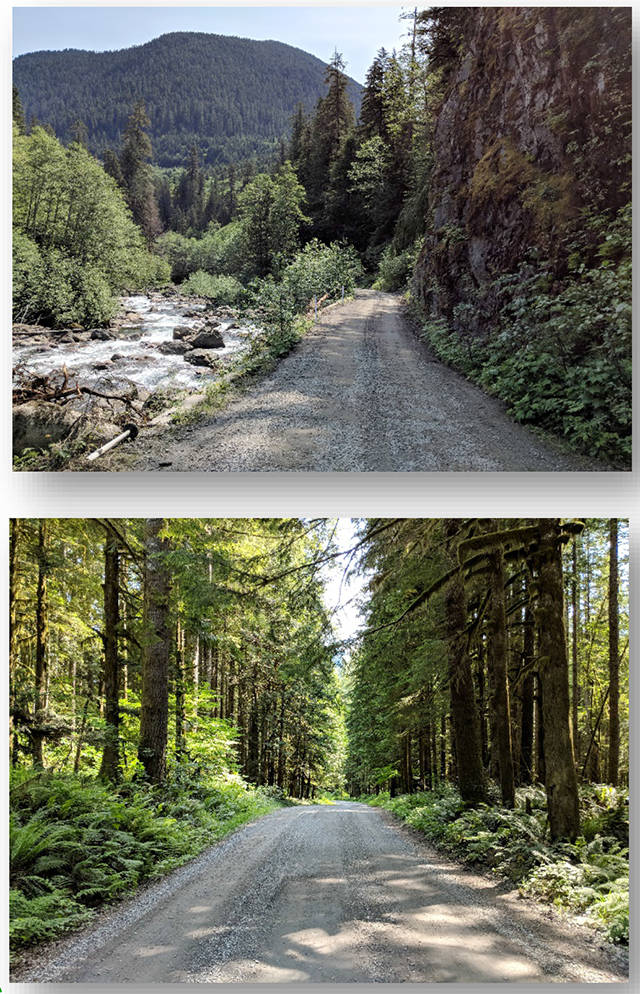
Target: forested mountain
<point x="229" y="96"/>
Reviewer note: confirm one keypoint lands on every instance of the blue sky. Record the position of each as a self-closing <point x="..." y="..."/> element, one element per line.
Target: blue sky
<point x="358" y="31"/>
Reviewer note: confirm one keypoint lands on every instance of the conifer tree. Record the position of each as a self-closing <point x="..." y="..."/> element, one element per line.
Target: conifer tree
<point x="136" y="173"/>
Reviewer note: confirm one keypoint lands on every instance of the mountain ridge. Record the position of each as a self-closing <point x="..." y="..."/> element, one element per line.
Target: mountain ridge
<point x="232" y="96"/>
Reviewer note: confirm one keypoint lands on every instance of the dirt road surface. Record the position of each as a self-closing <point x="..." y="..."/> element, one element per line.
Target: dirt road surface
<point x="360" y="393"/>
<point x="327" y="893"/>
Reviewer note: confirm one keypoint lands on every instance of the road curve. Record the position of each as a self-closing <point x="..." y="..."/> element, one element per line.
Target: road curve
<point x="326" y="893"/>
<point x="360" y="393"/>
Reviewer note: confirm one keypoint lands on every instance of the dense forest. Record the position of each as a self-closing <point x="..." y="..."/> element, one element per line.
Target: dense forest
<point x="486" y="175"/>
<point x="157" y="669"/>
<point x="495" y="657"/>
<point x="171" y="679"/>
<point x="231" y="97"/>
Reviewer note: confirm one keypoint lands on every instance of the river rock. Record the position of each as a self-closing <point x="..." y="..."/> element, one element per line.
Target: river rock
<point x="101" y="335"/>
<point x="38" y="423"/>
<point x="116" y="386"/>
<point x="209" y="338"/>
<point x="174" y="347"/>
<point x="182" y="331"/>
<point x="201" y="357"/>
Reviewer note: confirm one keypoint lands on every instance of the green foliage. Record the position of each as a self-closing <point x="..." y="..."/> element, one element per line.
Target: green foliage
<point x="270" y="210"/>
<point x="75" y="244"/>
<point x="395" y="268"/>
<point x="559" y="357"/>
<point x="321" y="269"/>
<point x="586" y="877"/>
<point x="219" y="251"/>
<point x="218" y="289"/>
<point x="74" y="843"/>
<point x="48" y="916"/>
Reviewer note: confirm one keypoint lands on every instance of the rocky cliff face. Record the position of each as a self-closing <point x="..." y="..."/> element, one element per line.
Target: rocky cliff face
<point x="534" y="128"/>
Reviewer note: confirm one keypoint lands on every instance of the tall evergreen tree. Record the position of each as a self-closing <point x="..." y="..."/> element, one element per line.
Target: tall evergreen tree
<point x="136" y="172"/>
<point x="152" y="748"/>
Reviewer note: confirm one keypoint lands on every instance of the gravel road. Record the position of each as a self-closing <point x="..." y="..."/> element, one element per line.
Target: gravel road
<point x="327" y="893"/>
<point x="360" y="393"/>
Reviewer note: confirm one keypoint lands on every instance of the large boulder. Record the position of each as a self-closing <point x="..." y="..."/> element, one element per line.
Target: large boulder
<point x="208" y="338"/>
<point x="39" y="423"/>
<point x="201" y="357"/>
<point x="174" y="348"/>
<point x="101" y="335"/>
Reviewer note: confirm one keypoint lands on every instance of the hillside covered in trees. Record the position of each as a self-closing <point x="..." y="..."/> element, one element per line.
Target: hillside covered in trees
<point x="485" y="175"/>
<point x="231" y="97"/>
<point x="172" y="678"/>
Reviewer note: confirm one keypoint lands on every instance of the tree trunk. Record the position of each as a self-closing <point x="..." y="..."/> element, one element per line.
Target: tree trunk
<point x="14" y="546"/>
<point x="154" y="711"/>
<point x="614" y="656"/>
<point x="179" y="695"/>
<point x="464" y="714"/>
<point x="42" y="635"/>
<point x="281" y="749"/>
<point x="526" y="728"/>
<point x="110" y="753"/>
<point x="575" y="617"/>
<point x="497" y="656"/>
<point x="560" y="774"/>
<point x="484" y="737"/>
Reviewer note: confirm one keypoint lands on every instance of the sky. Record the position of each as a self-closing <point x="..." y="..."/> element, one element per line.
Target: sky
<point x="341" y="594"/>
<point x="356" y="30"/>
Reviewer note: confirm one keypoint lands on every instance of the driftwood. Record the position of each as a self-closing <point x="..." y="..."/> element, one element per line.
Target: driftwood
<point x="43" y="387"/>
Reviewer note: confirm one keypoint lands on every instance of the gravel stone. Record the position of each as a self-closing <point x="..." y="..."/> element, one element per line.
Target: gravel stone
<point x="361" y="393"/>
<point x="327" y="893"/>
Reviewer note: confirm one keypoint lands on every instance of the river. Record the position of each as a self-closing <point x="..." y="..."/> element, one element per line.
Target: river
<point x="134" y="351"/>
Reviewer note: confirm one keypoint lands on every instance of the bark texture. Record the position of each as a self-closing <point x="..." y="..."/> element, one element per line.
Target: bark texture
<point x="464" y="714"/>
<point x="560" y="775"/>
<point x="614" y="661"/>
<point x="152" y="748"/>
<point x="109" y="766"/>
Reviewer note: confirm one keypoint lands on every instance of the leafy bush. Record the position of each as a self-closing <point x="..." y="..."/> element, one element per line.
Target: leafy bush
<point x="557" y="353"/>
<point x="75" y="243"/>
<point x="589" y="876"/>
<point x="75" y="844"/>
<point x="321" y="269"/>
<point x="220" y="251"/>
<point x="395" y="269"/>
<point x="220" y="289"/>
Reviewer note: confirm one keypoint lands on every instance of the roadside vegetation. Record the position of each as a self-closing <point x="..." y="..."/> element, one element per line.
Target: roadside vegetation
<point x="588" y="878"/>
<point x="77" y="843"/>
